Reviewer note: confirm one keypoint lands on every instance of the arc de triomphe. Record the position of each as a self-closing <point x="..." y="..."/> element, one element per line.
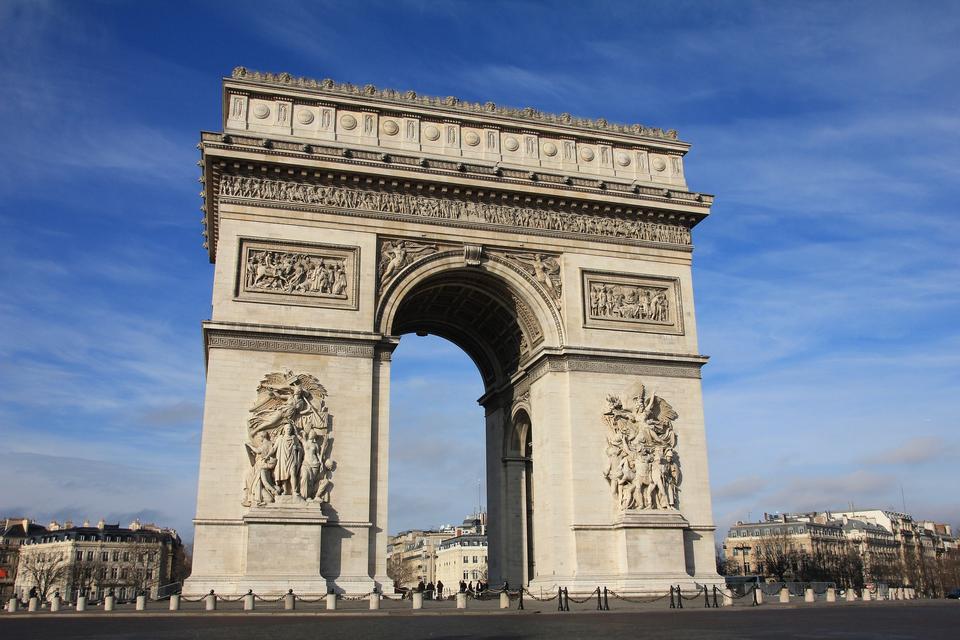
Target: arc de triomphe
<point x="554" y="250"/>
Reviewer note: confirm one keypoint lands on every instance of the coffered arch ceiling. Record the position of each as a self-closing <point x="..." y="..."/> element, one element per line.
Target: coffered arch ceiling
<point x="479" y="313"/>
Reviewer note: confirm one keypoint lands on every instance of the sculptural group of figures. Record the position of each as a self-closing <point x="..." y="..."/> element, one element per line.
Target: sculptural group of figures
<point x="643" y="467"/>
<point x="635" y="303"/>
<point x="295" y="273"/>
<point x="288" y="442"/>
<point x="450" y="209"/>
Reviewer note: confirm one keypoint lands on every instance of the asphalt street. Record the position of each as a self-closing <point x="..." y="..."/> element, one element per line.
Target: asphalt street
<point x="928" y="620"/>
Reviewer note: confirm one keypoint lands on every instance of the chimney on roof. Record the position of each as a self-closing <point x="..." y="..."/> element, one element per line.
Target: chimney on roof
<point x="53" y="526"/>
<point x="135" y="525"/>
<point x="25" y="523"/>
<point x="68" y="524"/>
<point x="101" y="524"/>
<point x="86" y="523"/>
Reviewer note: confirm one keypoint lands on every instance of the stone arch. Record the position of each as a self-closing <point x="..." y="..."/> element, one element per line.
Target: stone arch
<point x="499" y="317"/>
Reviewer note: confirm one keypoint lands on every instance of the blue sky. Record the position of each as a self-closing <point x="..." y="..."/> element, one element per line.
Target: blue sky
<point x="827" y="278"/>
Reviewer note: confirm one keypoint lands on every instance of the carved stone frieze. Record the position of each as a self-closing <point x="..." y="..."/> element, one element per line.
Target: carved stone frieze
<point x="299" y="273"/>
<point x="288" y="443"/>
<point x="428" y="207"/>
<point x="283" y="343"/>
<point x="643" y="467"/>
<point x="632" y="302"/>
<point x="544" y="268"/>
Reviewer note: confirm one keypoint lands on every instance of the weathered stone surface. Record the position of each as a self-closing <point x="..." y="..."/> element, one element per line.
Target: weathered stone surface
<point x="340" y="219"/>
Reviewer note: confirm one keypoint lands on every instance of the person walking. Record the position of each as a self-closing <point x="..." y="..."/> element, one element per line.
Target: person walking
<point x="439" y="590"/>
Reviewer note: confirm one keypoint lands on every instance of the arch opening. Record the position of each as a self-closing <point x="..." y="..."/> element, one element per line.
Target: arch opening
<point x="477" y="311"/>
<point x="486" y="315"/>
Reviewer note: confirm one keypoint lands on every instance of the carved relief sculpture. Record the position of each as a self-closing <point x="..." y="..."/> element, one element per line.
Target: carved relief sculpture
<point x="544" y="268"/>
<point x="316" y="274"/>
<point x="643" y="467"/>
<point x="396" y="255"/>
<point x="624" y="301"/>
<point x="288" y="442"/>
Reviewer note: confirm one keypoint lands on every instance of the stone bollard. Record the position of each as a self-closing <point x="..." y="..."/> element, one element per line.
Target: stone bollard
<point x="248" y="601"/>
<point x="461" y="601"/>
<point x="759" y="596"/>
<point x="12" y="605"/>
<point x="211" y="601"/>
<point x="81" y="603"/>
<point x="141" y="602"/>
<point x="866" y="594"/>
<point x="831" y="594"/>
<point x="808" y="595"/>
<point x="289" y="601"/>
<point x="784" y="596"/>
<point x="417" y="600"/>
<point x="727" y="597"/>
<point x="175" y="602"/>
<point x="33" y="604"/>
<point x="851" y="595"/>
<point x="109" y="601"/>
<point x="55" y="602"/>
<point x="878" y="595"/>
<point x="504" y="600"/>
<point x="374" y="601"/>
<point x="331" y="601"/>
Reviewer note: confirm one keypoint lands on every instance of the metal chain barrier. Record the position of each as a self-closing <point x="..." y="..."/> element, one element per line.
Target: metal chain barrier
<point x="363" y="597"/>
<point x="636" y="599"/>
<point x="587" y="597"/>
<point x="551" y="598"/>
<point x="693" y="597"/>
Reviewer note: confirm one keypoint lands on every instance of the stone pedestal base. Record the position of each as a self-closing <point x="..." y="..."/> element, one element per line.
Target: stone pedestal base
<point x="280" y="550"/>
<point x="650" y="556"/>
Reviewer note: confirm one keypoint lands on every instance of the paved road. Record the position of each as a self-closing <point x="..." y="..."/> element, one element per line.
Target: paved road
<point x="928" y="620"/>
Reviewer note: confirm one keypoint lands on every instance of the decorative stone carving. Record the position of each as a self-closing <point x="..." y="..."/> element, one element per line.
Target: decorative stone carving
<point x="390" y="127"/>
<point x="450" y="102"/>
<point x="544" y="268"/>
<point x="288" y="442"/>
<point x="643" y="467"/>
<point x="396" y="255"/>
<point x="320" y="275"/>
<point x="450" y="209"/>
<point x="622" y="301"/>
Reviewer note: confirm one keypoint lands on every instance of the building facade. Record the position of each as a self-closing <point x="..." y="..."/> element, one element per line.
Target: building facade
<point x="856" y="547"/>
<point x="412" y="555"/>
<point x="462" y="558"/>
<point x="13" y="533"/>
<point x="93" y="560"/>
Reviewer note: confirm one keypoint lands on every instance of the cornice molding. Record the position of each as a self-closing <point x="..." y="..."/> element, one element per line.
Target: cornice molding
<point x="449" y="104"/>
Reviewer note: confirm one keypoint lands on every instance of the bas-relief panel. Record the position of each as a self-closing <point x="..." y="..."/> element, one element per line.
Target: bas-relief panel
<point x="643" y="467"/>
<point x="288" y="443"/>
<point x="649" y="304"/>
<point x="298" y="273"/>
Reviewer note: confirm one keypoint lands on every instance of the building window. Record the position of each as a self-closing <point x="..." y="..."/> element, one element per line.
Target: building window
<point x="116" y="556"/>
<point x="113" y="573"/>
<point x="104" y="556"/>
<point x="466" y="574"/>
<point x="79" y="556"/>
<point x="126" y="556"/>
<point x="466" y="559"/>
<point x="90" y="555"/>
<point x="149" y="574"/>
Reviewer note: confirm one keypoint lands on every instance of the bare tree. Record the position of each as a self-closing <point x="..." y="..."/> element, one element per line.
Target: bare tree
<point x="398" y="570"/>
<point x="84" y="574"/>
<point x="45" y="569"/>
<point x="774" y="555"/>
